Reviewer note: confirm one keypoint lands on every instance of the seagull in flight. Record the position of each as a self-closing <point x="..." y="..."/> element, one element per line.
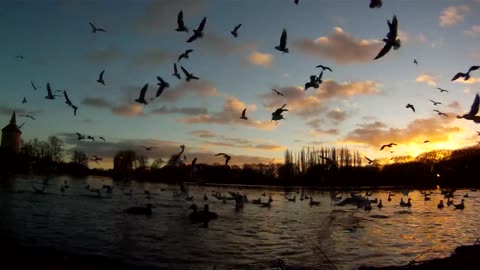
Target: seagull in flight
<point x="312" y="83"/>
<point x="24" y="100"/>
<point x="324" y="68"/>
<point x="375" y="3"/>
<point x="415" y="61"/>
<point x="101" y="138"/>
<point x="283" y="42"/>
<point x="227" y="157"/>
<point x="34" y="86"/>
<point x="435" y="103"/>
<point x="69" y="103"/>
<point x="161" y="86"/>
<point x="426" y="141"/>
<point x="27" y="115"/>
<point x="188" y="76"/>
<point x="49" y="92"/>
<point x="141" y="97"/>
<point x="80" y="136"/>
<point x="198" y="33"/>
<point x="465" y="76"/>
<point x="184" y="55"/>
<point x="96" y="159"/>
<point x="234" y="32"/>
<point x="100" y="78"/>
<point x="148" y="148"/>
<point x="319" y="78"/>
<point x="243" y="114"/>
<point x="90" y="138"/>
<point x="278" y="93"/>
<point x="180" y="24"/>
<point x="410" y="106"/>
<point x="175" y="72"/>
<point x="370" y="161"/>
<point x="95" y="29"/>
<point x="387" y="145"/>
<point x="440" y="113"/>
<point x="472" y="114"/>
<point x="442" y="90"/>
<point x="277" y="114"/>
<point x="392" y="39"/>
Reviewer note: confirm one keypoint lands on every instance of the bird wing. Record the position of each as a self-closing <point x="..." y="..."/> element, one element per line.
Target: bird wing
<point x="202" y="25"/>
<point x="384" y="51"/>
<point x="243" y="112"/>
<point x="320" y="75"/>
<point x="383" y="146"/>
<point x="474" y="108"/>
<point x="220" y="154"/>
<point x="180" y="22"/>
<point x="472" y="68"/>
<point x="194" y="161"/>
<point x="458" y="75"/>
<point x="393" y="27"/>
<point x="237" y="27"/>
<point x="175" y="71"/>
<point x="143" y="91"/>
<point x="188" y="51"/>
<point x="369" y="160"/>
<point x="101" y="75"/>
<point x="192" y="38"/>
<point x="185" y="72"/>
<point x="160" y="80"/>
<point x="180" y="57"/>
<point x="66" y="97"/>
<point x="49" y="89"/>
<point x="327" y="68"/>
<point x="283" y="39"/>
<point x="93" y="26"/>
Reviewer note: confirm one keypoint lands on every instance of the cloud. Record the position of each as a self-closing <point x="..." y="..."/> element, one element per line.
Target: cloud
<point x="337" y="115"/>
<point x="453" y="15"/>
<point x="105" y="56"/>
<point x="324" y="132"/>
<point x="152" y="58"/>
<point x="9" y="111"/>
<point x="376" y="133"/>
<point x="199" y="88"/>
<point x="203" y="133"/>
<point x="128" y="110"/>
<point x="472" y="80"/>
<point x="260" y="59"/>
<point x="427" y="78"/>
<point x="96" y="102"/>
<point x="474" y="31"/>
<point x="340" y="47"/>
<point x="176" y="110"/>
<point x="242" y="144"/>
<point x="222" y="45"/>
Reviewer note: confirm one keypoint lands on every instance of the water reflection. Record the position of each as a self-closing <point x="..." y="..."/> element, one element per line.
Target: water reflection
<point x="78" y="222"/>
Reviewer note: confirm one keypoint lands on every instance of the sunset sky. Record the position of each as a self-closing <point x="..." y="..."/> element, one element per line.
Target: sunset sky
<point x="360" y="105"/>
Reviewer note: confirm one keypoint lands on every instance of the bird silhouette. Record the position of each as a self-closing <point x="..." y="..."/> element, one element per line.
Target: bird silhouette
<point x="375" y="3"/>
<point x="319" y="78"/>
<point x="472" y="114"/>
<point x="101" y="138"/>
<point x="278" y="93"/>
<point x="410" y="106"/>
<point x="34" y="86"/>
<point x="28" y="116"/>
<point x="148" y="148"/>
<point x="426" y="141"/>
<point x="175" y="72"/>
<point x="296" y="2"/>
<point x="312" y="83"/>
<point x="80" y="136"/>
<point x="96" y="159"/>
<point x="91" y="138"/>
<point x="49" y="92"/>
<point x="234" y="32"/>
<point x="180" y="24"/>
<point x="435" y="103"/>
<point x="243" y="114"/>
<point x="415" y="61"/>
<point x="75" y="108"/>
<point x="95" y="29"/>
<point x="442" y="90"/>
<point x="465" y="76"/>
<point x="391" y="40"/>
<point x="161" y="86"/>
<point x="188" y="76"/>
<point x="387" y="145"/>
<point x="100" y="78"/>
<point x="20" y="57"/>
<point x="324" y="68"/>
<point x="227" y="157"/>
<point x="184" y="55"/>
<point x="283" y="42"/>
<point x="440" y="113"/>
<point x="277" y="114"/>
<point x="141" y="97"/>
<point x="198" y="33"/>
<point x="69" y="103"/>
<point x="24" y="100"/>
<point x="369" y="160"/>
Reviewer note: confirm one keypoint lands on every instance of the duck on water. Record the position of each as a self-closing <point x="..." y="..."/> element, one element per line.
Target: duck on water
<point x="138" y="210"/>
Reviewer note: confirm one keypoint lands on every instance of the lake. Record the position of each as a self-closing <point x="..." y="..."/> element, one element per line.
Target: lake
<point x="303" y="236"/>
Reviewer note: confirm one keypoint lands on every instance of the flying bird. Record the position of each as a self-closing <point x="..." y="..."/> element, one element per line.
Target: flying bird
<point x="465" y="76"/>
<point x="49" y="92"/>
<point x="141" y="97"/>
<point x="387" y="145"/>
<point x="161" y="86"/>
<point x="369" y="160"/>
<point x="426" y="141"/>
<point x="442" y="90"/>
<point x="175" y="72"/>
<point x="234" y="32"/>
<point x="180" y="24"/>
<point x="278" y="93"/>
<point x="188" y="76"/>
<point x="435" y="103"/>
<point x="227" y="157"/>
<point x="415" y="61"/>
<point x="69" y="103"/>
<point x="75" y="108"/>
<point x="101" y="138"/>
<point x="90" y="138"/>
<point x="319" y="78"/>
<point x="20" y="57"/>
<point x="243" y="114"/>
<point x="100" y="78"/>
<point x="184" y="55"/>
<point x="296" y="2"/>
<point x="324" y="68"/>
<point x="472" y="114"/>
<point x="277" y="114"/>
<point x="312" y="83"/>
<point x="391" y="40"/>
<point x="198" y="33"/>
<point x="80" y="136"/>
<point x="96" y="159"/>
<point x="24" y="100"/>
<point x="27" y="115"/>
<point x="34" y="86"/>
<point x="95" y="29"/>
<point x="283" y="42"/>
<point x="375" y="3"/>
<point x="148" y="148"/>
<point x="410" y="106"/>
<point x="440" y="113"/>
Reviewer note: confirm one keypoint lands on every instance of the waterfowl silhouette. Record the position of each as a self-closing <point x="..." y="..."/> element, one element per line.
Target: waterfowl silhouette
<point x="243" y="114"/>
<point x="101" y="138"/>
<point x="283" y="42"/>
<point x="201" y="216"/>
<point x="161" y="86"/>
<point x="27" y="115"/>
<point x="369" y="160"/>
<point x="148" y="148"/>
<point x="391" y="40"/>
<point x="184" y="55"/>
<point x="465" y="76"/>
<point x="235" y="31"/>
<point x="442" y="90"/>
<point x="312" y="202"/>
<point x="294" y="199"/>
<point x="141" y="97"/>
<point x="90" y="138"/>
<point x="138" y="210"/>
<point x="227" y="157"/>
<point x="80" y="136"/>
<point x="175" y="72"/>
<point x="24" y="100"/>
<point x="96" y="159"/>
<point x="312" y="83"/>
<point x="408" y="203"/>
<point x="459" y="206"/>
<point x="34" y="86"/>
<point x="410" y="106"/>
<point x="387" y="145"/>
<point x="95" y="29"/>
<point x="375" y="3"/>
<point x="380" y="204"/>
<point x="198" y="33"/>
<point x="180" y="24"/>
<point x="324" y="68"/>
<point x="440" y="113"/>
<point x="50" y="95"/>
<point x="435" y="103"/>
<point x="100" y="78"/>
<point x="472" y="114"/>
<point x="440" y="205"/>
<point x="415" y="61"/>
<point x="188" y="76"/>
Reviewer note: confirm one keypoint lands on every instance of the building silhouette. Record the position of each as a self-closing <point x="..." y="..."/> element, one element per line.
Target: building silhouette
<point x="11" y="135"/>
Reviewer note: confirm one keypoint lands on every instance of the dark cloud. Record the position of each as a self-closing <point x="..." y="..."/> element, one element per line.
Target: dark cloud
<point x="176" y="110"/>
<point x="96" y="102"/>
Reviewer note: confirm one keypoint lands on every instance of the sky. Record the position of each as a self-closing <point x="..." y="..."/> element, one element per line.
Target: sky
<point x="360" y="105"/>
